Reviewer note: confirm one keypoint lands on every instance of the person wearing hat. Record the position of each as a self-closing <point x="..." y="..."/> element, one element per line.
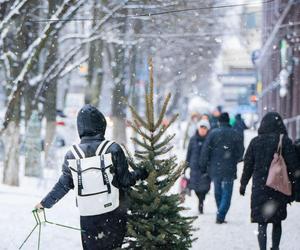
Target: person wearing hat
<point x="221" y="152"/>
<point x="97" y="170"/>
<point x="199" y="183"/>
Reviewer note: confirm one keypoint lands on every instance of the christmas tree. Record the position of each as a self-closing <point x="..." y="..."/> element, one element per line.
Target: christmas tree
<point x="155" y="218"/>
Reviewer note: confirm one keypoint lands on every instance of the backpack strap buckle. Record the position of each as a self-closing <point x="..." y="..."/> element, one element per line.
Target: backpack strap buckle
<point x="104" y="174"/>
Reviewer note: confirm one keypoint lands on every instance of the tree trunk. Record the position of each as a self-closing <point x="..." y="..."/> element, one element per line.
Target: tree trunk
<point x="118" y="105"/>
<point x="51" y="93"/>
<point x="11" y="162"/>
<point x="33" y="166"/>
<point x="121" y="74"/>
<point x="11" y="138"/>
<point x="95" y="71"/>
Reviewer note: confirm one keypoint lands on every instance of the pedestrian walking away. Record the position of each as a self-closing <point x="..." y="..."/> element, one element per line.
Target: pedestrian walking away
<point x="221" y="152"/>
<point x="239" y="125"/>
<point x="98" y="172"/>
<point x="198" y="182"/>
<point x="267" y="204"/>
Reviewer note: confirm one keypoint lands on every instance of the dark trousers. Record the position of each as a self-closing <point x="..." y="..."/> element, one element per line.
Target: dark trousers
<point x="103" y="232"/>
<point x="262" y="236"/>
<point x="223" y="193"/>
<point x="201" y="198"/>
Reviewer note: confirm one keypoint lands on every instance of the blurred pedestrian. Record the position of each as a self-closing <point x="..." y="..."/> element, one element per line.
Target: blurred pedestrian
<point x="296" y="190"/>
<point x="221" y="152"/>
<point x="199" y="183"/>
<point x="239" y="125"/>
<point x="205" y="117"/>
<point x="214" y="119"/>
<point x="267" y="204"/>
<point x="191" y="127"/>
<point x="100" y="194"/>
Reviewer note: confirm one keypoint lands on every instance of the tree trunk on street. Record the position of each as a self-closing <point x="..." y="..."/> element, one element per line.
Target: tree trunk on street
<point x="11" y="138"/>
<point x="32" y="142"/>
<point x="95" y="62"/>
<point x="32" y="146"/>
<point x="51" y="94"/>
<point x="122" y="77"/>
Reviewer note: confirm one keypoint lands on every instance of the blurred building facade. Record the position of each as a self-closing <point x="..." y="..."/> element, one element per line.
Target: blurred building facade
<point x="278" y="63"/>
<point x="238" y="76"/>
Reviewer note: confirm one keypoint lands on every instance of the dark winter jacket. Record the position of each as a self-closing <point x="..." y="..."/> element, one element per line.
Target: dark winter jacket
<point x="91" y="126"/>
<point x="214" y="122"/>
<point x="221" y="152"/>
<point x="297" y="173"/>
<point x="267" y="205"/>
<point x="239" y="125"/>
<point x="193" y="160"/>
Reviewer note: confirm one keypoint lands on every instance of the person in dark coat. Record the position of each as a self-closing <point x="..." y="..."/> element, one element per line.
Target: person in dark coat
<point x="110" y="226"/>
<point x="296" y="187"/>
<point x="239" y="125"/>
<point x="267" y="205"/>
<point x="197" y="182"/>
<point x="214" y="119"/>
<point x="221" y="152"/>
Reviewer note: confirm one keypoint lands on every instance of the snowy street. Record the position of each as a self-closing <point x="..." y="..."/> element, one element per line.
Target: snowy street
<point x="239" y="233"/>
<point x="110" y="107"/>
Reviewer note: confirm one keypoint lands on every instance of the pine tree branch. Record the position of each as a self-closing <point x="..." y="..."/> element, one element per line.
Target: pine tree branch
<point x="137" y="117"/>
<point x="141" y="157"/>
<point x="142" y="144"/>
<point x="139" y="131"/>
<point x="163" y="111"/>
<point x="151" y="97"/>
<point x="141" y="152"/>
<point x="165" y="142"/>
<point x="148" y="113"/>
<point x="163" y="151"/>
<point x="164" y="129"/>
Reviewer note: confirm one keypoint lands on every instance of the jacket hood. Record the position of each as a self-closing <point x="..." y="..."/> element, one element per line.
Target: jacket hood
<point x="224" y="118"/>
<point x="272" y="123"/>
<point x="238" y="117"/>
<point x="90" y="122"/>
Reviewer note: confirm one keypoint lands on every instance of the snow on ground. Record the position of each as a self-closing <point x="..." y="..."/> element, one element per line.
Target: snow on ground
<point x="17" y="221"/>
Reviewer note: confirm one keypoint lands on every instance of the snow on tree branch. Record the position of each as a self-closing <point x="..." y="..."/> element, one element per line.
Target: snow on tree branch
<point x="14" y="10"/>
<point x="32" y="53"/>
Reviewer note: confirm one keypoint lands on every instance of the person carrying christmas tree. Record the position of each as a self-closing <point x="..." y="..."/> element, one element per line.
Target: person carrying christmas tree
<point x="98" y="172"/>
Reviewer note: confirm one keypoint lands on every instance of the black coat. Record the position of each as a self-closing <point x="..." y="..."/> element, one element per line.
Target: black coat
<point x="297" y="173"/>
<point x="267" y="205"/>
<point x="91" y="128"/>
<point x="193" y="160"/>
<point x="239" y="126"/>
<point x="221" y="152"/>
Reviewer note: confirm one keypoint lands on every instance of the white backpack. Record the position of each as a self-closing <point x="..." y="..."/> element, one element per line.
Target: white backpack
<point x="93" y="181"/>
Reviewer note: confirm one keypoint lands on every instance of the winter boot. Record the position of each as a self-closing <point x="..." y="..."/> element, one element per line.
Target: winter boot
<point x="221" y="221"/>
<point x="201" y="207"/>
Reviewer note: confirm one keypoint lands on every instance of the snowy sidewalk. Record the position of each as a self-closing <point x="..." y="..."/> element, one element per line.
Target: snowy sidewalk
<point x="239" y="234"/>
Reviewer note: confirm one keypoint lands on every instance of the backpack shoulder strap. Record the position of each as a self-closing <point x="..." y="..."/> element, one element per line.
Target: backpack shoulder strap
<point x="102" y="148"/>
<point x="107" y="146"/>
<point x="77" y="152"/>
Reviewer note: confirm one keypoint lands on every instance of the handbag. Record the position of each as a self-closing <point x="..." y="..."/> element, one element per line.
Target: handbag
<point x="204" y="183"/>
<point x="183" y="188"/>
<point x="278" y="175"/>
